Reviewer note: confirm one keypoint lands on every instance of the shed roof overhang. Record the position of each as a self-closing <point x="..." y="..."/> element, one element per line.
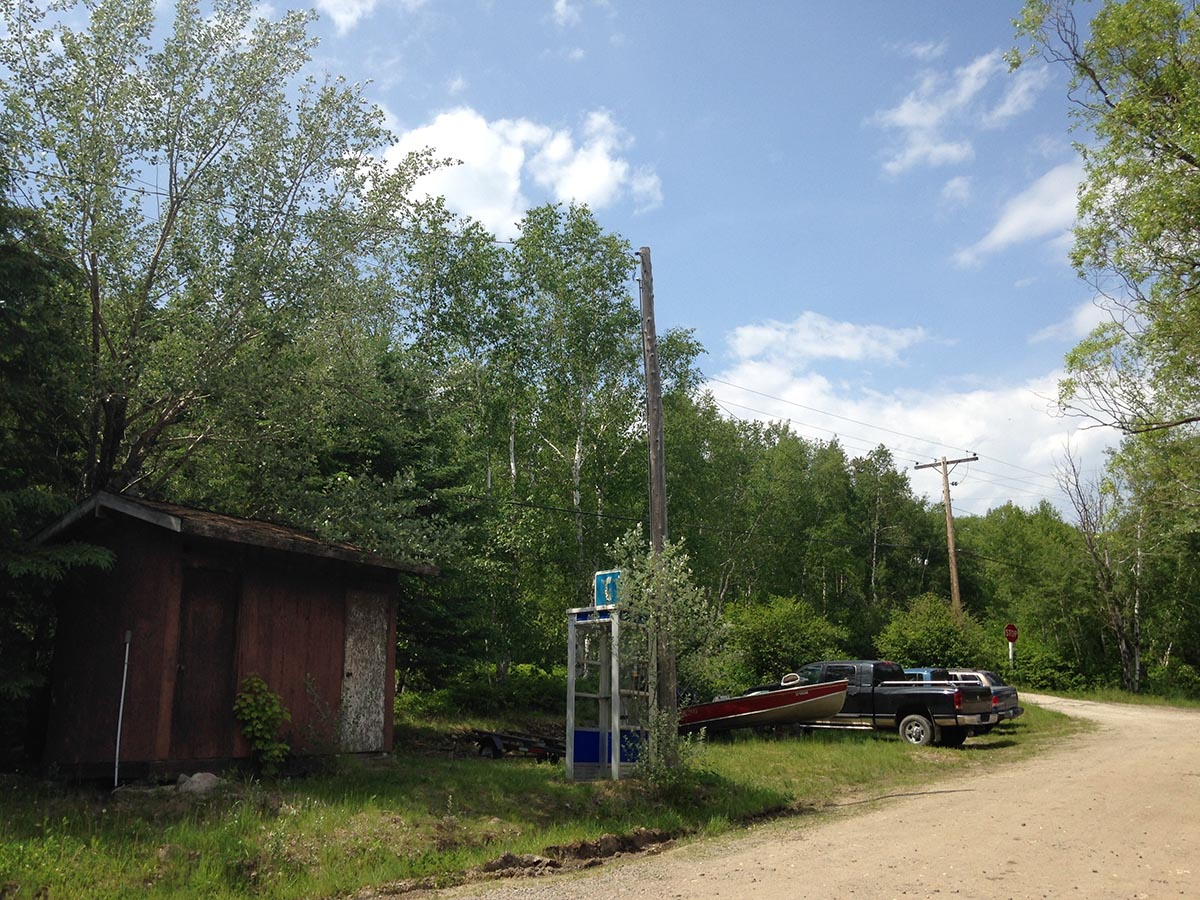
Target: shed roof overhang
<point x="217" y="526"/>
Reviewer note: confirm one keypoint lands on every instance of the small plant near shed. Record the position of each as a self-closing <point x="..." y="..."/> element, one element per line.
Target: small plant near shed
<point x="261" y="713"/>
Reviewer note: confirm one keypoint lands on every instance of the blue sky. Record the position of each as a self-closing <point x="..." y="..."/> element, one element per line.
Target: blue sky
<point x="862" y="213"/>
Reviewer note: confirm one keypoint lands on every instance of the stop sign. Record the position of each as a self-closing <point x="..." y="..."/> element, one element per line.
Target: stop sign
<point x="1010" y="633"/>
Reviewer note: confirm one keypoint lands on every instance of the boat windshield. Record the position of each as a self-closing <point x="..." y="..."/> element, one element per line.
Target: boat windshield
<point x="809" y="675"/>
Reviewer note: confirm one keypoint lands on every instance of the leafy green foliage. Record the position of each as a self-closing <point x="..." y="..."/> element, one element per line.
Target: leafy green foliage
<point x="524" y="690"/>
<point x="1043" y="668"/>
<point x="260" y="713"/>
<point x="275" y="212"/>
<point x="926" y="634"/>
<point x="781" y="635"/>
<point x="1136" y="87"/>
<point x="1175" y="679"/>
<point x="42" y="373"/>
<point x="679" y="627"/>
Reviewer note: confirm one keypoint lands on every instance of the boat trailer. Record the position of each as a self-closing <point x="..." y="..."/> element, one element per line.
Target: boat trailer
<point x="497" y="744"/>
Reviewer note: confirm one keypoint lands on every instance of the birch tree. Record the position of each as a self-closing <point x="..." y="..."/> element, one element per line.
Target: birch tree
<point x="217" y="198"/>
<point x="1135" y="85"/>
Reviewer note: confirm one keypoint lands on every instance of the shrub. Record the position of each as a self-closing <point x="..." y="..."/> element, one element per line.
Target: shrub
<point x="1176" y="679"/>
<point x="261" y="712"/>
<point x="926" y="634"/>
<point x="724" y="672"/>
<point x="781" y="635"/>
<point x="1043" y="668"/>
<point x="525" y="688"/>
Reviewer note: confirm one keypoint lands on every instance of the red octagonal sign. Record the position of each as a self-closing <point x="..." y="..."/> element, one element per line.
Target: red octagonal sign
<point x="1010" y="633"/>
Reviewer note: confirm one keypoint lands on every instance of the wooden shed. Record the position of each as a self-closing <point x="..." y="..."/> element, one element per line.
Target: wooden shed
<point x="204" y="600"/>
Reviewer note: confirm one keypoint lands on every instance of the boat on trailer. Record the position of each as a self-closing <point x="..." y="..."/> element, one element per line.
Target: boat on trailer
<point x="787" y="703"/>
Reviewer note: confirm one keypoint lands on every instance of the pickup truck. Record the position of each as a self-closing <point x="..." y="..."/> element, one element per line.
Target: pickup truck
<point x="1005" y="701"/>
<point x="881" y="696"/>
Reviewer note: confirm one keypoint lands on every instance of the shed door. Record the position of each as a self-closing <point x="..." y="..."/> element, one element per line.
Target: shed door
<point x="364" y="685"/>
<point x="202" y="722"/>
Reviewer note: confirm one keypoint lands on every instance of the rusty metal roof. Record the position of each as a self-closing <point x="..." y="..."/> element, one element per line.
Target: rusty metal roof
<point x="217" y="526"/>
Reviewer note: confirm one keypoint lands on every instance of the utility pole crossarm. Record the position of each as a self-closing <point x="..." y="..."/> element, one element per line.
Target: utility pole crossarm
<point x="944" y="464"/>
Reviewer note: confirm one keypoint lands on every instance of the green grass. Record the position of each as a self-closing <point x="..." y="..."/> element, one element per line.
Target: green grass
<point x="429" y="812"/>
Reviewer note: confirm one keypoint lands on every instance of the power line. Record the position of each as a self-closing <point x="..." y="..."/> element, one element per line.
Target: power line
<point x="900" y="452"/>
<point x="883" y="428"/>
<point x="834" y="415"/>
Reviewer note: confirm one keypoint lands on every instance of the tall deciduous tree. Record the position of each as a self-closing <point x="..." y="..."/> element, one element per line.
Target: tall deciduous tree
<point x="574" y="283"/>
<point x="215" y="200"/>
<point x="1030" y="567"/>
<point x="1135" y="80"/>
<point x="1116" y="567"/>
<point x="42" y="374"/>
<point x="1155" y="525"/>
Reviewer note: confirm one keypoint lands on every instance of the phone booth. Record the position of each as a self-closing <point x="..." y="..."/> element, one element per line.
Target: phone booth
<point x="607" y="696"/>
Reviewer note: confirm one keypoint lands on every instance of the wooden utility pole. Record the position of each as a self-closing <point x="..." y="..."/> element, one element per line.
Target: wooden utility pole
<point x="955" y="597"/>
<point x="663" y="659"/>
<point x="654" y="409"/>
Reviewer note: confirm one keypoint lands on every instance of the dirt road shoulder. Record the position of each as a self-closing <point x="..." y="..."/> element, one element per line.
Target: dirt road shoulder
<point x="1111" y="813"/>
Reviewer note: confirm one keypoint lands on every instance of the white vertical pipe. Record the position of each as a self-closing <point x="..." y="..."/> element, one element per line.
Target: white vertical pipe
<point x="604" y="692"/>
<point x="121" y="712"/>
<point x="571" y="696"/>
<point x="615" y="689"/>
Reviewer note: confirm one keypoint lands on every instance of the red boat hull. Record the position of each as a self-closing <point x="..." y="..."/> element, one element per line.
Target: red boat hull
<point x="785" y="706"/>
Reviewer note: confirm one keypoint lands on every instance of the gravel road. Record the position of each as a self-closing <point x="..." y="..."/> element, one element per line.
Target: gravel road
<point x="1114" y="813"/>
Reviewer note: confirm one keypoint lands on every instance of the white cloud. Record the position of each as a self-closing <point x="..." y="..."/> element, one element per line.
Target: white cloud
<point x="457" y="85"/>
<point x="773" y="375"/>
<point x="506" y="159"/>
<point x="936" y="119"/>
<point x="1020" y="96"/>
<point x="566" y="13"/>
<point x="957" y="190"/>
<point x="814" y="336"/>
<point x="1019" y="442"/>
<point x="926" y="51"/>
<point x="1045" y="209"/>
<point x="922" y="116"/>
<point x="1076" y="326"/>
<point x="647" y="190"/>
<point x="927" y="150"/>
<point x="348" y="13"/>
<point x="592" y="171"/>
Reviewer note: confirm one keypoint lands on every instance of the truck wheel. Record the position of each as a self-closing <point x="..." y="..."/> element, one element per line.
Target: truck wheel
<point x="917" y="729"/>
<point x="953" y="737"/>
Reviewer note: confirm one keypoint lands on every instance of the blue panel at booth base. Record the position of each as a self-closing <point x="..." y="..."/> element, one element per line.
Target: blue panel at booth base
<point x="587" y="746"/>
<point x="631" y="745"/>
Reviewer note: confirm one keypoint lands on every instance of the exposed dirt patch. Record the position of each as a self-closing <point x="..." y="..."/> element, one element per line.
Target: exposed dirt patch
<point x="559" y="858"/>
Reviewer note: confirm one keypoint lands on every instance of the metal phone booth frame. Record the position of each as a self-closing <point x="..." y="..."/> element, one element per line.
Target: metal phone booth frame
<point x="606" y="695"/>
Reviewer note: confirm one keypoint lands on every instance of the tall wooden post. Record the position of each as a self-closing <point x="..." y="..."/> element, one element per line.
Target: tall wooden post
<point x="664" y="652"/>
<point x="956" y="607"/>
<point x="654" y="410"/>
